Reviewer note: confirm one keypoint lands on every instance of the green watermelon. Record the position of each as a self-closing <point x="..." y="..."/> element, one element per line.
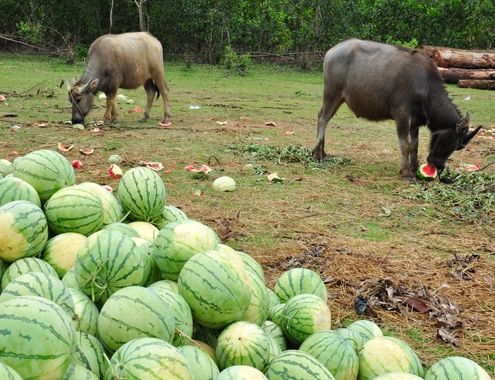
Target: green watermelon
<point x="366" y="329"/>
<point x="151" y="273"/>
<point x="399" y="376"/>
<point x="7" y="373"/>
<point x="243" y="343"/>
<point x="112" y="210"/>
<point x="276" y="332"/>
<point x="74" y="209"/>
<point x="334" y="352"/>
<point x="170" y="214"/>
<point x="257" y="311"/>
<point x="86" y="312"/>
<point x="352" y="337"/>
<point x="273" y="299"/>
<point x="387" y="354"/>
<point x="90" y="354"/>
<point x="126" y="229"/>
<point x="304" y="315"/>
<point x="69" y="280"/>
<point x="201" y="365"/>
<point x="61" y="251"/>
<point x="46" y="170"/>
<point x="241" y="372"/>
<point x="300" y="281"/>
<point x="148" y="359"/>
<point x="297" y="365"/>
<point x="275" y="314"/>
<point x="26" y="265"/>
<point x="146" y="231"/>
<point x="181" y="313"/>
<point x="142" y="194"/>
<point x="108" y="261"/>
<point x="24" y="230"/>
<point x="215" y="289"/>
<point x="150" y="317"/>
<point x="37" y="339"/>
<point x="275" y="349"/>
<point x="456" y="368"/>
<point x="251" y="264"/>
<point x="41" y="285"/>
<point x="177" y="242"/>
<point x="15" y="189"/>
<point x="5" y="167"/>
<point x="165" y="284"/>
<point x="78" y="372"/>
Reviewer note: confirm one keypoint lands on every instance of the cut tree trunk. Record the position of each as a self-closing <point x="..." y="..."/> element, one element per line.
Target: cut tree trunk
<point x="453" y="74"/>
<point x="477" y="83"/>
<point x="464" y="59"/>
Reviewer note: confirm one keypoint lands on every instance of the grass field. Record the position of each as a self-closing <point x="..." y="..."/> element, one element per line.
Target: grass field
<point x="423" y="254"/>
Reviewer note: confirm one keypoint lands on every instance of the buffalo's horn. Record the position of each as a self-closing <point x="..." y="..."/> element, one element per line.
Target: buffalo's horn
<point x="469" y="135"/>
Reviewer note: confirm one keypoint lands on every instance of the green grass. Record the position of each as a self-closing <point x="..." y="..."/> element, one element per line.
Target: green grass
<point x="355" y="204"/>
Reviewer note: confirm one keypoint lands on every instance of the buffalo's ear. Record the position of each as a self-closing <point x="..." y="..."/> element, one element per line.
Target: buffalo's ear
<point x="463" y="124"/>
<point x="93" y="86"/>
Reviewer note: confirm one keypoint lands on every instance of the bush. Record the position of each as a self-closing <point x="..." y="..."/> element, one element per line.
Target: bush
<point x="236" y="63"/>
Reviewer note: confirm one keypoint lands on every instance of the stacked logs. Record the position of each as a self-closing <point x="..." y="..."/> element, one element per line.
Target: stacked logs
<point x="466" y="68"/>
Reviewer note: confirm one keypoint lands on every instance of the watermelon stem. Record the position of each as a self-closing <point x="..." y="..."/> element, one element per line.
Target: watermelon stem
<point x="125" y="217"/>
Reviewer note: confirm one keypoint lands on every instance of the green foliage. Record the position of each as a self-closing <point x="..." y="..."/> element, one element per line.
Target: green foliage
<point x="32" y="32"/>
<point x="234" y="62"/>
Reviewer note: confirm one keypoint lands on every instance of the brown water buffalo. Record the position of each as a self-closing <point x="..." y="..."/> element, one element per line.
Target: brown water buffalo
<point x="127" y="60"/>
<point x="379" y="82"/>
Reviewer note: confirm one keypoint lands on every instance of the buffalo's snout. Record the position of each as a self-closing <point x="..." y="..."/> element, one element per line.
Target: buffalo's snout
<point x="77" y="120"/>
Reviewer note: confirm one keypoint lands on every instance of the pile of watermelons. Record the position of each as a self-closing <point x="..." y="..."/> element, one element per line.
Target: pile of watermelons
<point x="87" y="296"/>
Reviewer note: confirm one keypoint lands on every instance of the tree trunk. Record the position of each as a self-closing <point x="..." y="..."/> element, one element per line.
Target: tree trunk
<point x="464" y="59"/>
<point x="142" y="15"/>
<point x="453" y="74"/>
<point x="111" y="17"/>
<point x="477" y="83"/>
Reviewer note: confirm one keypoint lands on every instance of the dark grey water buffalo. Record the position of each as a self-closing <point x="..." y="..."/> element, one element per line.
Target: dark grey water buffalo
<point x="379" y="82"/>
<point x="127" y="60"/>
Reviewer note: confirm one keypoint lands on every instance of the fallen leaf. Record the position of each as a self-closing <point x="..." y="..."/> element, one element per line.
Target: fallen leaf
<point x="86" y="151"/>
<point x="417" y="304"/>
<point x="447" y="336"/>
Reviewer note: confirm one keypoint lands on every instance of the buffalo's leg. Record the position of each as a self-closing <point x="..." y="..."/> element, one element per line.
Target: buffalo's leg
<point x="150" y="89"/>
<point x="413" y="152"/>
<point x="406" y="146"/>
<point x="163" y="88"/>
<point x="331" y="103"/>
<point x="111" y="111"/>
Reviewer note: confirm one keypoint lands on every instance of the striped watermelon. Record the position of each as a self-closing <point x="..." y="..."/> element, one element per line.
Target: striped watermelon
<point x="387" y="354"/>
<point x="181" y="313"/>
<point x="300" y="281"/>
<point x="69" y="280"/>
<point x="366" y="329"/>
<point x="15" y="189"/>
<point x="74" y="209"/>
<point x="7" y="373"/>
<point x="108" y="262"/>
<point x="202" y="366"/>
<point x="61" y="251"/>
<point x="456" y="368"/>
<point x="304" y="315"/>
<point x="142" y="194"/>
<point x="214" y="288"/>
<point x="26" y="265"/>
<point x="257" y="311"/>
<point x="46" y="170"/>
<point x="241" y="372"/>
<point x="273" y="299"/>
<point x="126" y="229"/>
<point x="165" y="284"/>
<point x="251" y="264"/>
<point x="148" y="359"/>
<point x="352" y="337"/>
<point x="134" y="312"/>
<point x="207" y="349"/>
<point x="275" y="314"/>
<point x="37" y="339"/>
<point x="334" y="352"/>
<point x="274" y="350"/>
<point x="149" y="265"/>
<point x="90" y="354"/>
<point x="243" y="343"/>
<point x="5" y="167"/>
<point x="297" y="365"/>
<point x="399" y="376"/>
<point x="170" y="214"/>
<point x="41" y="285"/>
<point x="177" y="242"/>
<point x="86" y="312"/>
<point x="276" y="332"/>
<point x="78" y="372"/>
<point x="24" y="230"/>
<point x="112" y="210"/>
<point x="145" y="230"/>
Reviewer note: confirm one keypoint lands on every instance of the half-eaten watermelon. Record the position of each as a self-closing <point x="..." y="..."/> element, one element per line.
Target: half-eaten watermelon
<point x="426" y="172"/>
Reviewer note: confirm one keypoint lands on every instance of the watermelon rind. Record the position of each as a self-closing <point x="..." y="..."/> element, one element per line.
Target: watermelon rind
<point x="299" y="281"/>
<point x="352" y="337"/>
<point x="257" y="311"/>
<point x="24" y="230"/>
<point x="150" y="317"/>
<point x="456" y="368"/>
<point x="86" y="312"/>
<point x="148" y="359"/>
<point x="425" y="172"/>
<point x="297" y="365"/>
<point x="37" y="339"/>
<point x="112" y="210"/>
<point x="61" y="251"/>
<point x="241" y="372"/>
<point x="276" y="332"/>
<point x="90" y="354"/>
<point x="201" y="365"/>
<point x="7" y="373"/>
<point x="273" y="299"/>
<point x="78" y="372"/>
<point x="26" y="265"/>
<point x="145" y="230"/>
<point x="69" y="280"/>
<point x="15" y="189"/>
<point x="398" y="376"/>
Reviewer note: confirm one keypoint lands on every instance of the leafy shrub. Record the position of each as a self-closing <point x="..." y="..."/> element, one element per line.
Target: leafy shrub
<point x="236" y="63"/>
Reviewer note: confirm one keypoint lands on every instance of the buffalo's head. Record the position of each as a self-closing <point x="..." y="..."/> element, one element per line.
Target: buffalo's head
<point x="81" y="96"/>
<point x="445" y="141"/>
